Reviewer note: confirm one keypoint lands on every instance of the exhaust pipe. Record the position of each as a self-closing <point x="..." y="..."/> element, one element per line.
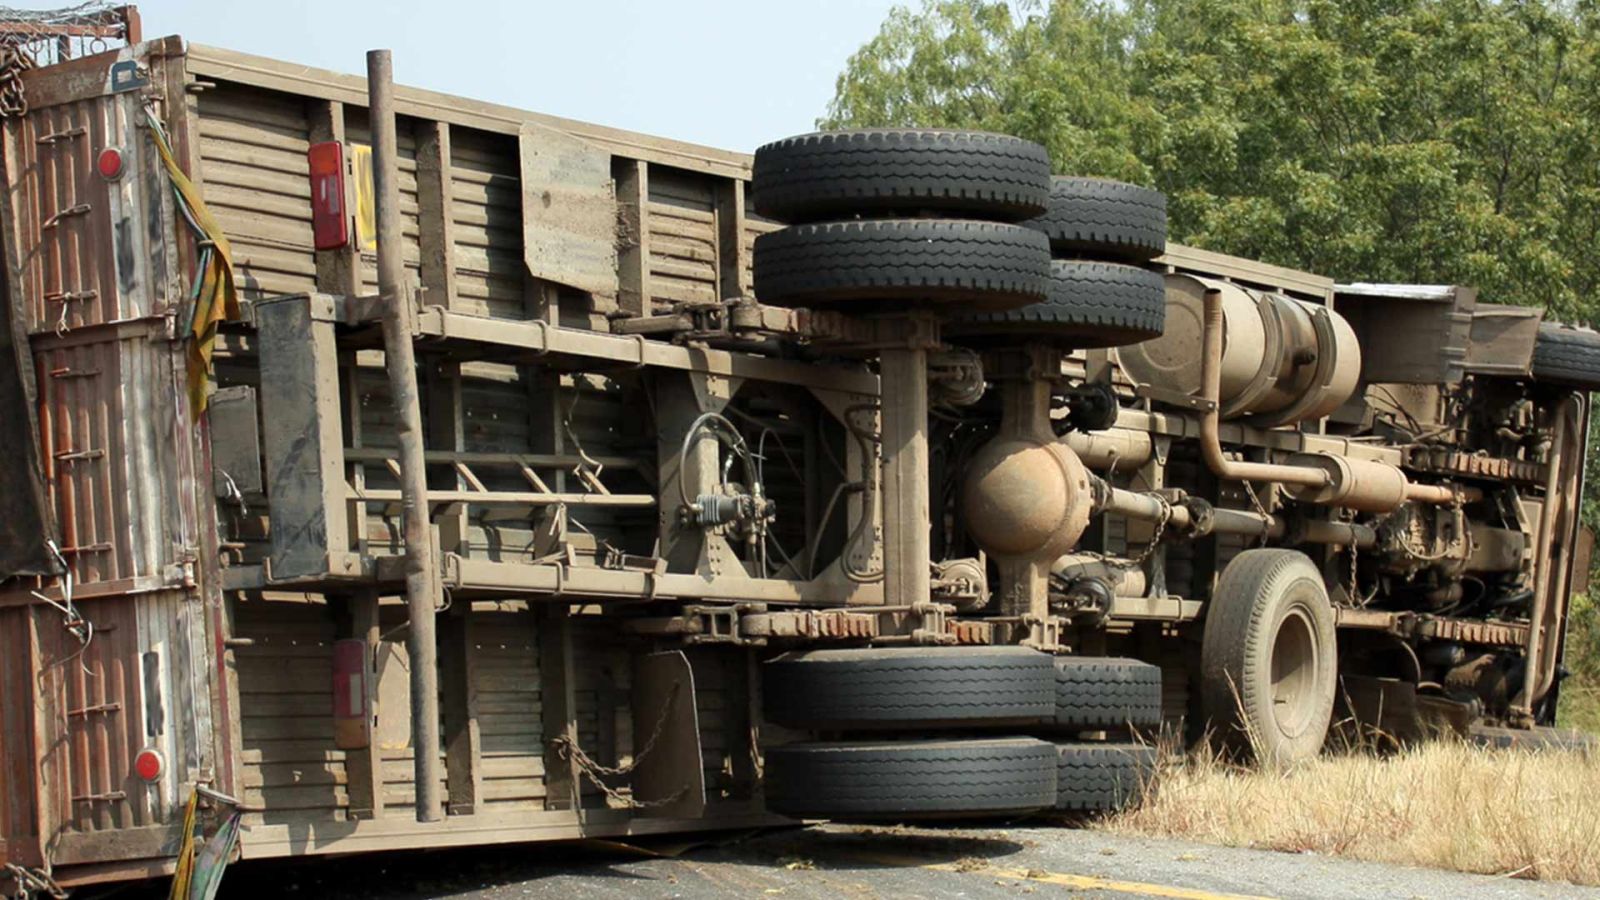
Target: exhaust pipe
<point x="1364" y="485"/>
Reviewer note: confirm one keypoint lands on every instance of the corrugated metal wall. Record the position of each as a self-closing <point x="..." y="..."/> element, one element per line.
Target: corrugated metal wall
<point x="133" y="685"/>
<point x="66" y="216"/>
<point x="111" y="440"/>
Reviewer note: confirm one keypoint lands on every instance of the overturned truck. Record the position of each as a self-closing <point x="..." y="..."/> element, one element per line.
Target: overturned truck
<point x="876" y="477"/>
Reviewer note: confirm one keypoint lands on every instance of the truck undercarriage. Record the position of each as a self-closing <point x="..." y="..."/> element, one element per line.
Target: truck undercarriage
<point x="888" y="479"/>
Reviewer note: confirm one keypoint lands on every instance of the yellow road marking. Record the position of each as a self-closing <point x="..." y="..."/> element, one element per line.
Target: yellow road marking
<point x="1061" y="879"/>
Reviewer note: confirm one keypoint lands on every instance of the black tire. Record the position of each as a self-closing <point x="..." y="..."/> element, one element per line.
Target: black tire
<point x="1097" y="693"/>
<point x="902" y="262"/>
<point x="1102" y="219"/>
<point x="1564" y="355"/>
<point x="1103" y="777"/>
<point x="911" y="779"/>
<point x="908" y="688"/>
<point x="1269" y="667"/>
<point x="838" y="174"/>
<point x="1089" y="305"/>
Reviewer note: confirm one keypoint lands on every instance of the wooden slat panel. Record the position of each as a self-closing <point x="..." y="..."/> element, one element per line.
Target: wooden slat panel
<point x="257" y="184"/>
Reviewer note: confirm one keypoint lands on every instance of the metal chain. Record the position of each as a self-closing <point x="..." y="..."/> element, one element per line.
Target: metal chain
<point x="33" y="881"/>
<point x="13" y="62"/>
<point x="1155" y="536"/>
<point x="1255" y="501"/>
<point x="567" y="747"/>
<point x="1354" y="590"/>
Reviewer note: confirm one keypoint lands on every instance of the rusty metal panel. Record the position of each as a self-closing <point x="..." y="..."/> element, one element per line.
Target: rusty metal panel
<point x="113" y="444"/>
<point x="569" y="213"/>
<point x="139" y="682"/>
<point x="88" y="249"/>
<point x="1502" y="339"/>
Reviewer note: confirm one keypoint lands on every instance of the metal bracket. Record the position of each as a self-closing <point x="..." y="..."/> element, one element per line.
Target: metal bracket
<point x="1174" y="398"/>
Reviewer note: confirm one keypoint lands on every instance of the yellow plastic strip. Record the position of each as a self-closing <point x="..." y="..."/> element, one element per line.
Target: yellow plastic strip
<point x="183" y="875"/>
<point x="217" y="300"/>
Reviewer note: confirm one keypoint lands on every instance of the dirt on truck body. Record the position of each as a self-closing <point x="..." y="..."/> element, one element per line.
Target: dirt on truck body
<point x="393" y="470"/>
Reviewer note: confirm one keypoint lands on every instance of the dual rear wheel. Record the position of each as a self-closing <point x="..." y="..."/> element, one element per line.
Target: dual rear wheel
<point x="956" y="732"/>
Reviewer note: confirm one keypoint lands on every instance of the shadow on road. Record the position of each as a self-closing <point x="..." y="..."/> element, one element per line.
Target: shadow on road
<point x="418" y="874"/>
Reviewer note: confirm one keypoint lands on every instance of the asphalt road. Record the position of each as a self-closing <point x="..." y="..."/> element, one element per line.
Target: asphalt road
<point x="862" y="863"/>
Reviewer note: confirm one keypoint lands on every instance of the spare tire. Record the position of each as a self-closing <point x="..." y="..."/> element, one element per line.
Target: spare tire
<point x="836" y="174"/>
<point x="1269" y="657"/>
<point x="1563" y="354"/>
<point x="1103" y="219"/>
<point x="903" y="261"/>
<point x="908" y="688"/>
<point x="892" y="781"/>
<point x="1103" y="777"/>
<point x="1097" y="693"/>
<point x="1088" y="305"/>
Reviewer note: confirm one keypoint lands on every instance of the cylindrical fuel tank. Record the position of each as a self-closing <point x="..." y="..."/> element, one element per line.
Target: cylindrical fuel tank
<point x="1283" y="360"/>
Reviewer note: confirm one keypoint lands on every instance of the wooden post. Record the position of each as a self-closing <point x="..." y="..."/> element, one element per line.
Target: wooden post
<point x="463" y="747"/>
<point x="558" y="686"/>
<point x="434" y="197"/>
<point x="633" y="262"/>
<point x="732" y="257"/>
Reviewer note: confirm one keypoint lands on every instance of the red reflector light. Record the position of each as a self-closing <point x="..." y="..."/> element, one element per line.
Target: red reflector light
<point x="330" y="222"/>
<point x="149" y="765"/>
<point x="109" y="163"/>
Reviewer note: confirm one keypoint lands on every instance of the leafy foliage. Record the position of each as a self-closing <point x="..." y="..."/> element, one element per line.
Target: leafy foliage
<point x="1393" y="140"/>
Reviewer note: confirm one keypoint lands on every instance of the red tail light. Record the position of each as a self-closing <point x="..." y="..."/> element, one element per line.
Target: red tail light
<point x="330" y="221"/>
<point x="109" y="163"/>
<point x="149" y="765"/>
<point x="352" y="700"/>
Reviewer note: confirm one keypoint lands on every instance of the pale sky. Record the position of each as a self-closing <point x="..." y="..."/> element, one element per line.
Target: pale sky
<point x="720" y="72"/>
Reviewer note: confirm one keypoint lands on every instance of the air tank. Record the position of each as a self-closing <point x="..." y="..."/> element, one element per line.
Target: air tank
<point x="1284" y="360"/>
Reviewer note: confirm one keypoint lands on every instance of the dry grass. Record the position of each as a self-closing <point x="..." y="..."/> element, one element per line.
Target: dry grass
<point x="1443" y="805"/>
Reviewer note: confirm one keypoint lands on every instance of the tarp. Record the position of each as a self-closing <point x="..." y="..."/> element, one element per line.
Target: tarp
<point x="26" y="522"/>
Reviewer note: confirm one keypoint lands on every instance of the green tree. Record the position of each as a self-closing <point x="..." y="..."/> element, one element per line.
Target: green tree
<point x="1398" y="140"/>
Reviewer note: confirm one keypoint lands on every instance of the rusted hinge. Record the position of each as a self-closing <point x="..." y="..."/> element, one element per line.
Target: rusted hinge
<point x="70" y="296"/>
<point x="86" y="548"/>
<point x="69" y="134"/>
<point x="107" y="797"/>
<point x="79" y="455"/>
<point x="55" y="220"/>
<point x="91" y="710"/>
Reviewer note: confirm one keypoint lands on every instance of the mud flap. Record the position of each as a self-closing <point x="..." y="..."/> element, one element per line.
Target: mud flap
<point x="669" y="778"/>
<point x="1392" y="710"/>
